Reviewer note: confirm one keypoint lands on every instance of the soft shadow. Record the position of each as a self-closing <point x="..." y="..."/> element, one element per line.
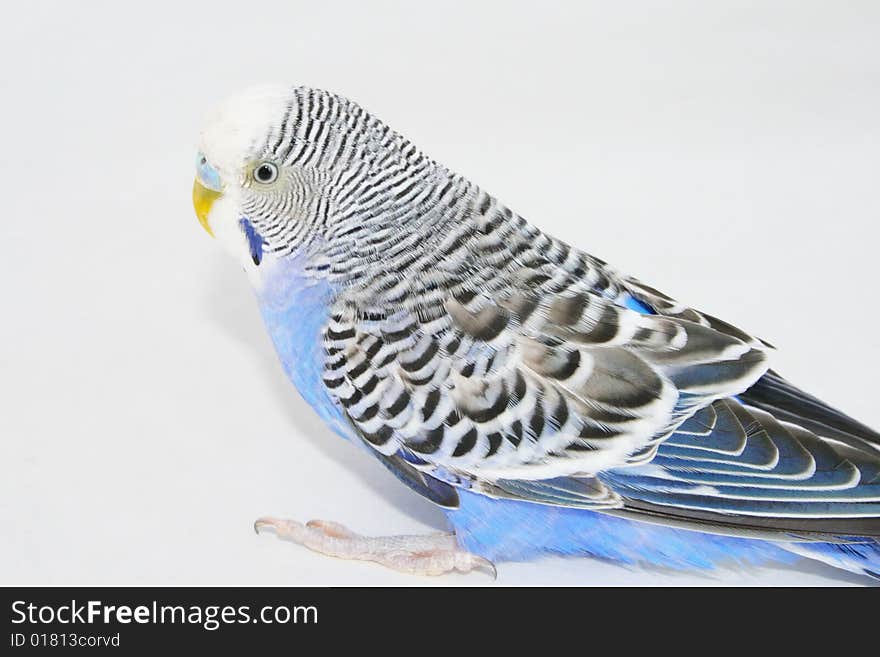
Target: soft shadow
<point x="230" y="304"/>
<point x="825" y="571"/>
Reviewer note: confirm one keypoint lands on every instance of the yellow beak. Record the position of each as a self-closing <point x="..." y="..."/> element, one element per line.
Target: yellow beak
<point x="203" y="199"/>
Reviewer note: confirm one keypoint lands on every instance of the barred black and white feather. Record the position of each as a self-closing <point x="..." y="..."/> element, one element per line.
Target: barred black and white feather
<point x="470" y="348"/>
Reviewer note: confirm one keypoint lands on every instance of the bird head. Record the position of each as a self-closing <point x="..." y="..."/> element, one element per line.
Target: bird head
<point x="284" y="170"/>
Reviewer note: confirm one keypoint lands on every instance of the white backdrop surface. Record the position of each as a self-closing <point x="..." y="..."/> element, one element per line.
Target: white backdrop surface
<point x="725" y="152"/>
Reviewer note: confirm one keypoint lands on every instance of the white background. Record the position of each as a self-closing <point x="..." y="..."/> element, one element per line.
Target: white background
<point x="725" y="152"/>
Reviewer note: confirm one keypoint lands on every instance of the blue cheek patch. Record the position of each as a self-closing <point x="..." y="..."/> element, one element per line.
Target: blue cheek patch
<point x="255" y="240"/>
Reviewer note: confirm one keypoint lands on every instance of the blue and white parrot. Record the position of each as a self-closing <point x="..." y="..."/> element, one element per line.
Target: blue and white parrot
<point x="547" y="402"/>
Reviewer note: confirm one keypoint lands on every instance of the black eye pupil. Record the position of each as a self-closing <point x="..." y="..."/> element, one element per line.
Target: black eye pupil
<point x="265" y="173"/>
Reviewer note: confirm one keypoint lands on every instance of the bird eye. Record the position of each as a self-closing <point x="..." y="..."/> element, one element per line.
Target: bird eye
<point x="266" y="173"/>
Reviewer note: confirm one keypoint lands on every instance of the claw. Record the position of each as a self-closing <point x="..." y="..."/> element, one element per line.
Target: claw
<point x="273" y="523"/>
<point x="487" y="567"/>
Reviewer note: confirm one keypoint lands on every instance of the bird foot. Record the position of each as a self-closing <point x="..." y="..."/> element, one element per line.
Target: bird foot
<point x="430" y="554"/>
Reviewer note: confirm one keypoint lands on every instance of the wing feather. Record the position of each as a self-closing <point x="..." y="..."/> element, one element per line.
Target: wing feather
<point x="527" y="386"/>
<point x="529" y="370"/>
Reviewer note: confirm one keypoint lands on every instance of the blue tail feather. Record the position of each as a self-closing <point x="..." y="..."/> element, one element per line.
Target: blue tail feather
<point x="859" y="556"/>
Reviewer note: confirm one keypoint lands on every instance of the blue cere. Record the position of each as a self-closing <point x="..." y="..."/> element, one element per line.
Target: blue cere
<point x="207" y="174"/>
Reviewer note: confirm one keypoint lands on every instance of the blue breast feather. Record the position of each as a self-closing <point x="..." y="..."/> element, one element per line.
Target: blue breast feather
<point x="295" y="309"/>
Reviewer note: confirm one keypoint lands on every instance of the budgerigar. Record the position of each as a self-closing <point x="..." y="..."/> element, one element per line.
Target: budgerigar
<point x="547" y="402"/>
